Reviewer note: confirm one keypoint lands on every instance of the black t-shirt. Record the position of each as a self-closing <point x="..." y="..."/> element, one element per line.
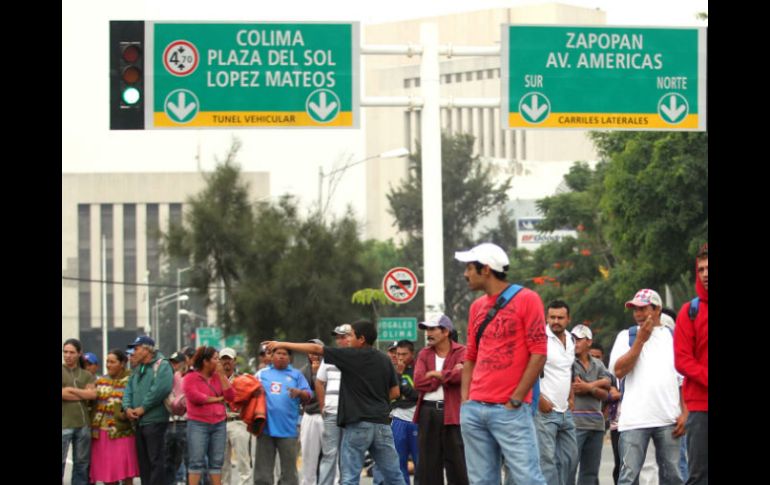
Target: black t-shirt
<point x="367" y="377"/>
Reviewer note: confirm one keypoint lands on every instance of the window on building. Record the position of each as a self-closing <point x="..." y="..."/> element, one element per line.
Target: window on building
<point x="109" y="271"/>
<point x="130" y="289"/>
<point x="84" y="266"/>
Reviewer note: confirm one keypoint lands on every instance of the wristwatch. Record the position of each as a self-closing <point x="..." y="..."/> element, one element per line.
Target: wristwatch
<point x="515" y="403"/>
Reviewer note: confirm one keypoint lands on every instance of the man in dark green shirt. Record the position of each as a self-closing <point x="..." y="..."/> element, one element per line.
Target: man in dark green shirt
<point x="77" y="389"/>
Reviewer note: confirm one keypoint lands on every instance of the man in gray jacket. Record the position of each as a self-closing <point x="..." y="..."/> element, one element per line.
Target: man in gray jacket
<point x="151" y="381"/>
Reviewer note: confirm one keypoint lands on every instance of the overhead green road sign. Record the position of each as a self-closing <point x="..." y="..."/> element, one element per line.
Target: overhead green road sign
<point x="208" y="336"/>
<point x="622" y="78"/>
<point x="229" y="75"/>
<point x="397" y="328"/>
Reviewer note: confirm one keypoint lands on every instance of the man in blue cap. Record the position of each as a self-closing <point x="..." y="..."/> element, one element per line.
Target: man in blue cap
<point x="92" y="363"/>
<point x="150" y="383"/>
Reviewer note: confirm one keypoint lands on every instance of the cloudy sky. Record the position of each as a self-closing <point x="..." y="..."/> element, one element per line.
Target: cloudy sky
<point x="89" y="146"/>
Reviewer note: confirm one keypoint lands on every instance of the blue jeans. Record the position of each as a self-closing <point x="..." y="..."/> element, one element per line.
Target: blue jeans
<point x="558" y="446"/>
<point x="491" y="431"/>
<point x="405" y="439"/>
<point x="589" y="445"/>
<point x="206" y="440"/>
<point x="378" y="439"/>
<point x="81" y="453"/>
<point x="683" y="471"/>
<point x="328" y="468"/>
<point x="633" y="450"/>
<point x="698" y="447"/>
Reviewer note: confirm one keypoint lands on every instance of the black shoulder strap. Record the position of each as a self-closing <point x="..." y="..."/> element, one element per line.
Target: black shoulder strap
<point x="502" y="300"/>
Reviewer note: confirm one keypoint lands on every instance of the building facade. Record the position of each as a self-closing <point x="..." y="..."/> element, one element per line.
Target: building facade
<point x="470" y="77"/>
<point x="128" y="212"/>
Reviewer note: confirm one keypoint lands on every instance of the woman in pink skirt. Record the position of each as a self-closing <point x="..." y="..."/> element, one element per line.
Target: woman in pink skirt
<point x="113" y="452"/>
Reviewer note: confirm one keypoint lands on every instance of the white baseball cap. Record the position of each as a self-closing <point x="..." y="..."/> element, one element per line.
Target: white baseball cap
<point x="581" y="331"/>
<point x="227" y="352"/>
<point x="487" y="254"/>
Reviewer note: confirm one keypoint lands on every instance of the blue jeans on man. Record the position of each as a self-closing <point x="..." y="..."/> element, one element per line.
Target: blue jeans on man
<point x="81" y="453"/>
<point x="633" y="450"/>
<point x="378" y="439"/>
<point x="698" y="447"/>
<point x="556" y="439"/>
<point x="589" y="446"/>
<point x="491" y="432"/>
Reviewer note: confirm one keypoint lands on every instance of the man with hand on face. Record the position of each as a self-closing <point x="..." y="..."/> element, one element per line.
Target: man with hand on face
<point x="652" y="407"/>
<point x="437" y="376"/>
<point x="285" y="387"/>
<point x="238" y="436"/>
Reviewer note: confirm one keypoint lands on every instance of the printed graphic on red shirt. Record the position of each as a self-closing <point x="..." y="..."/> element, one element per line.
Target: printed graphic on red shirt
<point x="275" y="388"/>
<point x="516" y="332"/>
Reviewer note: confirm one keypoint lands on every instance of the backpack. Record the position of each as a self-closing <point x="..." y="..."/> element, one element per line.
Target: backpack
<point x="693" y="311"/>
<point x="169" y="401"/>
<point x="506" y="296"/>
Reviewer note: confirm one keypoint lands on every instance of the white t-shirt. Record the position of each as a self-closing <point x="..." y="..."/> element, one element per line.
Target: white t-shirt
<point x="651" y="397"/>
<point x="557" y="381"/>
<point x="438" y="394"/>
<point x="332" y="377"/>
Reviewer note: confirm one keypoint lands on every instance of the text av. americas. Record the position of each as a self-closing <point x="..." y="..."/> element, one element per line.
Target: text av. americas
<point x="272" y="48"/>
<point x="609" y="51"/>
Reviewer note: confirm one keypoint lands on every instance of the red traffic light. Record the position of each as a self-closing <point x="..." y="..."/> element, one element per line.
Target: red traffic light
<point x="131" y="53"/>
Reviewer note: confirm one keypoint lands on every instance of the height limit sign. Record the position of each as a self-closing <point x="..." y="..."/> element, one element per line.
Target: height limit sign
<point x="400" y="285"/>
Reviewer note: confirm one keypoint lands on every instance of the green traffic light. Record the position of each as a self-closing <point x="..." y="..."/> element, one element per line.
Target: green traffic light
<point x="131" y="95"/>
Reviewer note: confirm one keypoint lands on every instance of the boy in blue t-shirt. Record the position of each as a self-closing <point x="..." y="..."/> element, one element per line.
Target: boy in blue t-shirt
<point x="284" y="388"/>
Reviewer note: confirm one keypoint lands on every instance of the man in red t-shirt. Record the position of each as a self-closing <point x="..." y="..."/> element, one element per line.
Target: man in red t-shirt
<point x="496" y="392"/>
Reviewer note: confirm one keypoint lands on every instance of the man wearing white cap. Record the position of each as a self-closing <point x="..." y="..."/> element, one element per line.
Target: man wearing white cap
<point x="591" y="388"/>
<point x="498" y="374"/>
<point x="327" y="386"/>
<point x="238" y="436"/>
<point x="652" y="408"/>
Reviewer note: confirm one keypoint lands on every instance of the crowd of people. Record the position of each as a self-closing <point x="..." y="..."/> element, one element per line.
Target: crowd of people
<point x="456" y="414"/>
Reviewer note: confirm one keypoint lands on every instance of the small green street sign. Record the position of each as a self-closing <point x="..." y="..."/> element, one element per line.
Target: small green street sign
<point x="620" y="78"/>
<point x="397" y="328"/>
<point x="237" y="342"/>
<point x="267" y="74"/>
<point x="208" y="336"/>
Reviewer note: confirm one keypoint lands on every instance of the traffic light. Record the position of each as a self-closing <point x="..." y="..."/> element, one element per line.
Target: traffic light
<point x="127" y="71"/>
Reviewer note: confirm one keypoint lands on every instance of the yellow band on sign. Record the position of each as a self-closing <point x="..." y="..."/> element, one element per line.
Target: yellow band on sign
<point x="253" y="118"/>
<point x="603" y="120"/>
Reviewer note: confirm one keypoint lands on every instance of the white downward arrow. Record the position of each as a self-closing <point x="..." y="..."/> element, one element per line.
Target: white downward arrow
<point x="534" y="112"/>
<point x="323" y="110"/>
<point x="672" y="111"/>
<point x="181" y="110"/>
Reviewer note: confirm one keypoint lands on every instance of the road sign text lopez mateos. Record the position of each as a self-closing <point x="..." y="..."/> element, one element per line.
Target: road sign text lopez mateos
<point x="230" y="75"/>
<point x="624" y="78"/>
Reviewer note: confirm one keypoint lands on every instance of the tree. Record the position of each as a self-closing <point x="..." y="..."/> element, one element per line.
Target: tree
<point x="469" y="195"/>
<point x="641" y="214"/>
<point x="655" y="204"/>
<point x="283" y="276"/>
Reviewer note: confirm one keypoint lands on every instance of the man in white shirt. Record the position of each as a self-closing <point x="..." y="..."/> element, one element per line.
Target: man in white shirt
<point x="327" y="388"/>
<point x="556" y="435"/>
<point x="652" y="408"/>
